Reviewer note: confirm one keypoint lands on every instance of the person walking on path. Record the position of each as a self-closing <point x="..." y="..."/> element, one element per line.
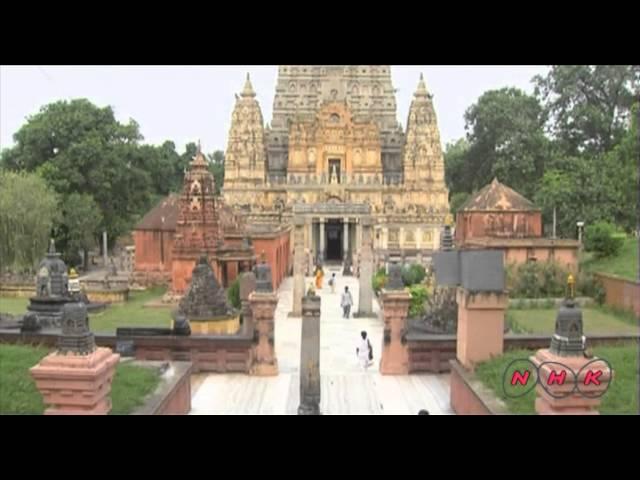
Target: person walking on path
<point x="346" y="302"/>
<point x="364" y="351"/>
<point x="319" y="277"/>
<point x="332" y="283"/>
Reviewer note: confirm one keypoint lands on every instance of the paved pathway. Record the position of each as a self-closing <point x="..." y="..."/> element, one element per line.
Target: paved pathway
<point x="345" y="388"/>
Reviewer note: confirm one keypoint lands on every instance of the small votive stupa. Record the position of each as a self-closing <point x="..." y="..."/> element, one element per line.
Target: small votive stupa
<point x="205" y="306"/>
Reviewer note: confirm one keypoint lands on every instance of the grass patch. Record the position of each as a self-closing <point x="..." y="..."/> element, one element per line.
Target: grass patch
<point x="129" y="314"/>
<point x="596" y="320"/>
<point x="19" y="393"/>
<point x="621" y="398"/>
<point x="624" y="264"/>
<point x="131" y="384"/>
<point x="14" y="306"/>
<point x="132" y="313"/>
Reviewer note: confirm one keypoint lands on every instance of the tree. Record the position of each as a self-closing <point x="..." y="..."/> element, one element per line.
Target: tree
<point x="28" y="210"/>
<point x="588" y="105"/>
<point x="216" y="167"/>
<point x="79" y="226"/>
<point x="506" y="140"/>
<point x="622" y="175"/>
<point x="457" y="177"/>
<point x="457" y="200"/>
<point x="78" y="147"/>
<point x="163" y="165"/>
<point x="601" y="239"/>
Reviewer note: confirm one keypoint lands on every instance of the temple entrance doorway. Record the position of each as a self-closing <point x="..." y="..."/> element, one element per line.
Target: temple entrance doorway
<point x="334" y="229"/>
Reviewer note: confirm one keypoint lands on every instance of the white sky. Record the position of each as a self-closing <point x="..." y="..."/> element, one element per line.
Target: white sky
<point x="187" y="103"/>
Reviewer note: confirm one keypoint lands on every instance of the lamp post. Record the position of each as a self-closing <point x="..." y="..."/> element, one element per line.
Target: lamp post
<point x="580" y="226"/>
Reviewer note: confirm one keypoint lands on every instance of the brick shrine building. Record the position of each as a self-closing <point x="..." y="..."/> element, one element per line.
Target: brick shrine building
<point x="499" y="217"/>
<point x="171" y="237"/>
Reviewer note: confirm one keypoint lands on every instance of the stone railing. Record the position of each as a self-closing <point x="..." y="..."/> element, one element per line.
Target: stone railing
<point x="431" y="353"/>
<point x="333" y="208"/>
<point x="219" y="354"/>
<point x="360" y="179"/>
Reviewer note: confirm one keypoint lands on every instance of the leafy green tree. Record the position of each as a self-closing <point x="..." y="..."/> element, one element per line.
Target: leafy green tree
<point x="506" y="140"/>
<point x="216" y="167"/>
<point x="601" y="239"/>
<point x="78" y="147"/>
<point x="79" y="226"/>
<point x="28" y="210"/>
<point x="457" y="176"/>
<point x="457" y="200"/>
<point x="588" y="105"/>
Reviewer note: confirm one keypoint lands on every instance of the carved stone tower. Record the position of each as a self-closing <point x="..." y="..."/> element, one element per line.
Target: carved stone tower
<point x="245" y="159"/>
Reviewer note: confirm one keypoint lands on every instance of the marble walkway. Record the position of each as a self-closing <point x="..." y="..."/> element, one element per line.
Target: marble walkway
<point x="345" y="388"/>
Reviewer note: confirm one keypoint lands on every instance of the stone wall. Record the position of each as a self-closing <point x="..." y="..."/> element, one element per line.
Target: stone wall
<point x="17" y="290"/>
<point x="173" y="395"/>
<point x="621" y="293"/>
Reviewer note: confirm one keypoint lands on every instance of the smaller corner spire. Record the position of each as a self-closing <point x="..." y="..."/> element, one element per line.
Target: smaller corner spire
<point x="421" y="91"/>
<point x="248" y="91"/>
<point x="199" y="158"/>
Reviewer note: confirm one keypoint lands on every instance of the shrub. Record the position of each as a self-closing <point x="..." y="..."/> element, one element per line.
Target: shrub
<point x="419" y="296"/>
<point x="528" y="281"/>
<point x="233" y="293"/>
<point x="587" y="285"/>
<point x="413" y="274"/>
<point x="553" y="281"/>
<point x="512" y="324"/>
<point x="602" y="240"/>
<point x="378" y="281"/>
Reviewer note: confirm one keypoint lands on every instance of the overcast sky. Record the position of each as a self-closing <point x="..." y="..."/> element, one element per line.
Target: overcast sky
<point x="187" y="103"/>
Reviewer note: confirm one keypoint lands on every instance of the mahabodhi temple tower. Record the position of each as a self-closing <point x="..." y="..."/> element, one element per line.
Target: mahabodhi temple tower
<point x="335" y="152"/>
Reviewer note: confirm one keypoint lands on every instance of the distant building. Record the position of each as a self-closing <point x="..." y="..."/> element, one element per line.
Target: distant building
<point x="499" y="217"/>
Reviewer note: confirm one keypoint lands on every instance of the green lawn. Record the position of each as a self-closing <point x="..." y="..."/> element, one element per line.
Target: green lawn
<point x="132" y="313"/>
<point x="621" y="398"/>
<point x="129" y="314"/>
<point x="131" y="384"/>
<point x="596" y="320"/>
<point x="14" y="306"/>
<point x="625" y="264"/>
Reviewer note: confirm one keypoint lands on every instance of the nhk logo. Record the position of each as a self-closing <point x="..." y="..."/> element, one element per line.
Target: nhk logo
<point x="592" y="380"/>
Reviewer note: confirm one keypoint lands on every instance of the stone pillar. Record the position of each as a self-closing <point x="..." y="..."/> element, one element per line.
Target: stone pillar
<point x="395" y="307"/>
<point x="298" y="267"/>
<point x="321" y="249"/>
<point x="76" y="379"/>
<point x="247" y="287"/>
<point x="480" y="325"/>
<point x="345" y="240"/>
<point x="310" y="357"/>
<point x="436" y="238"/>
<point x="263" y="306"/>
<point x="365" y="292"/>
